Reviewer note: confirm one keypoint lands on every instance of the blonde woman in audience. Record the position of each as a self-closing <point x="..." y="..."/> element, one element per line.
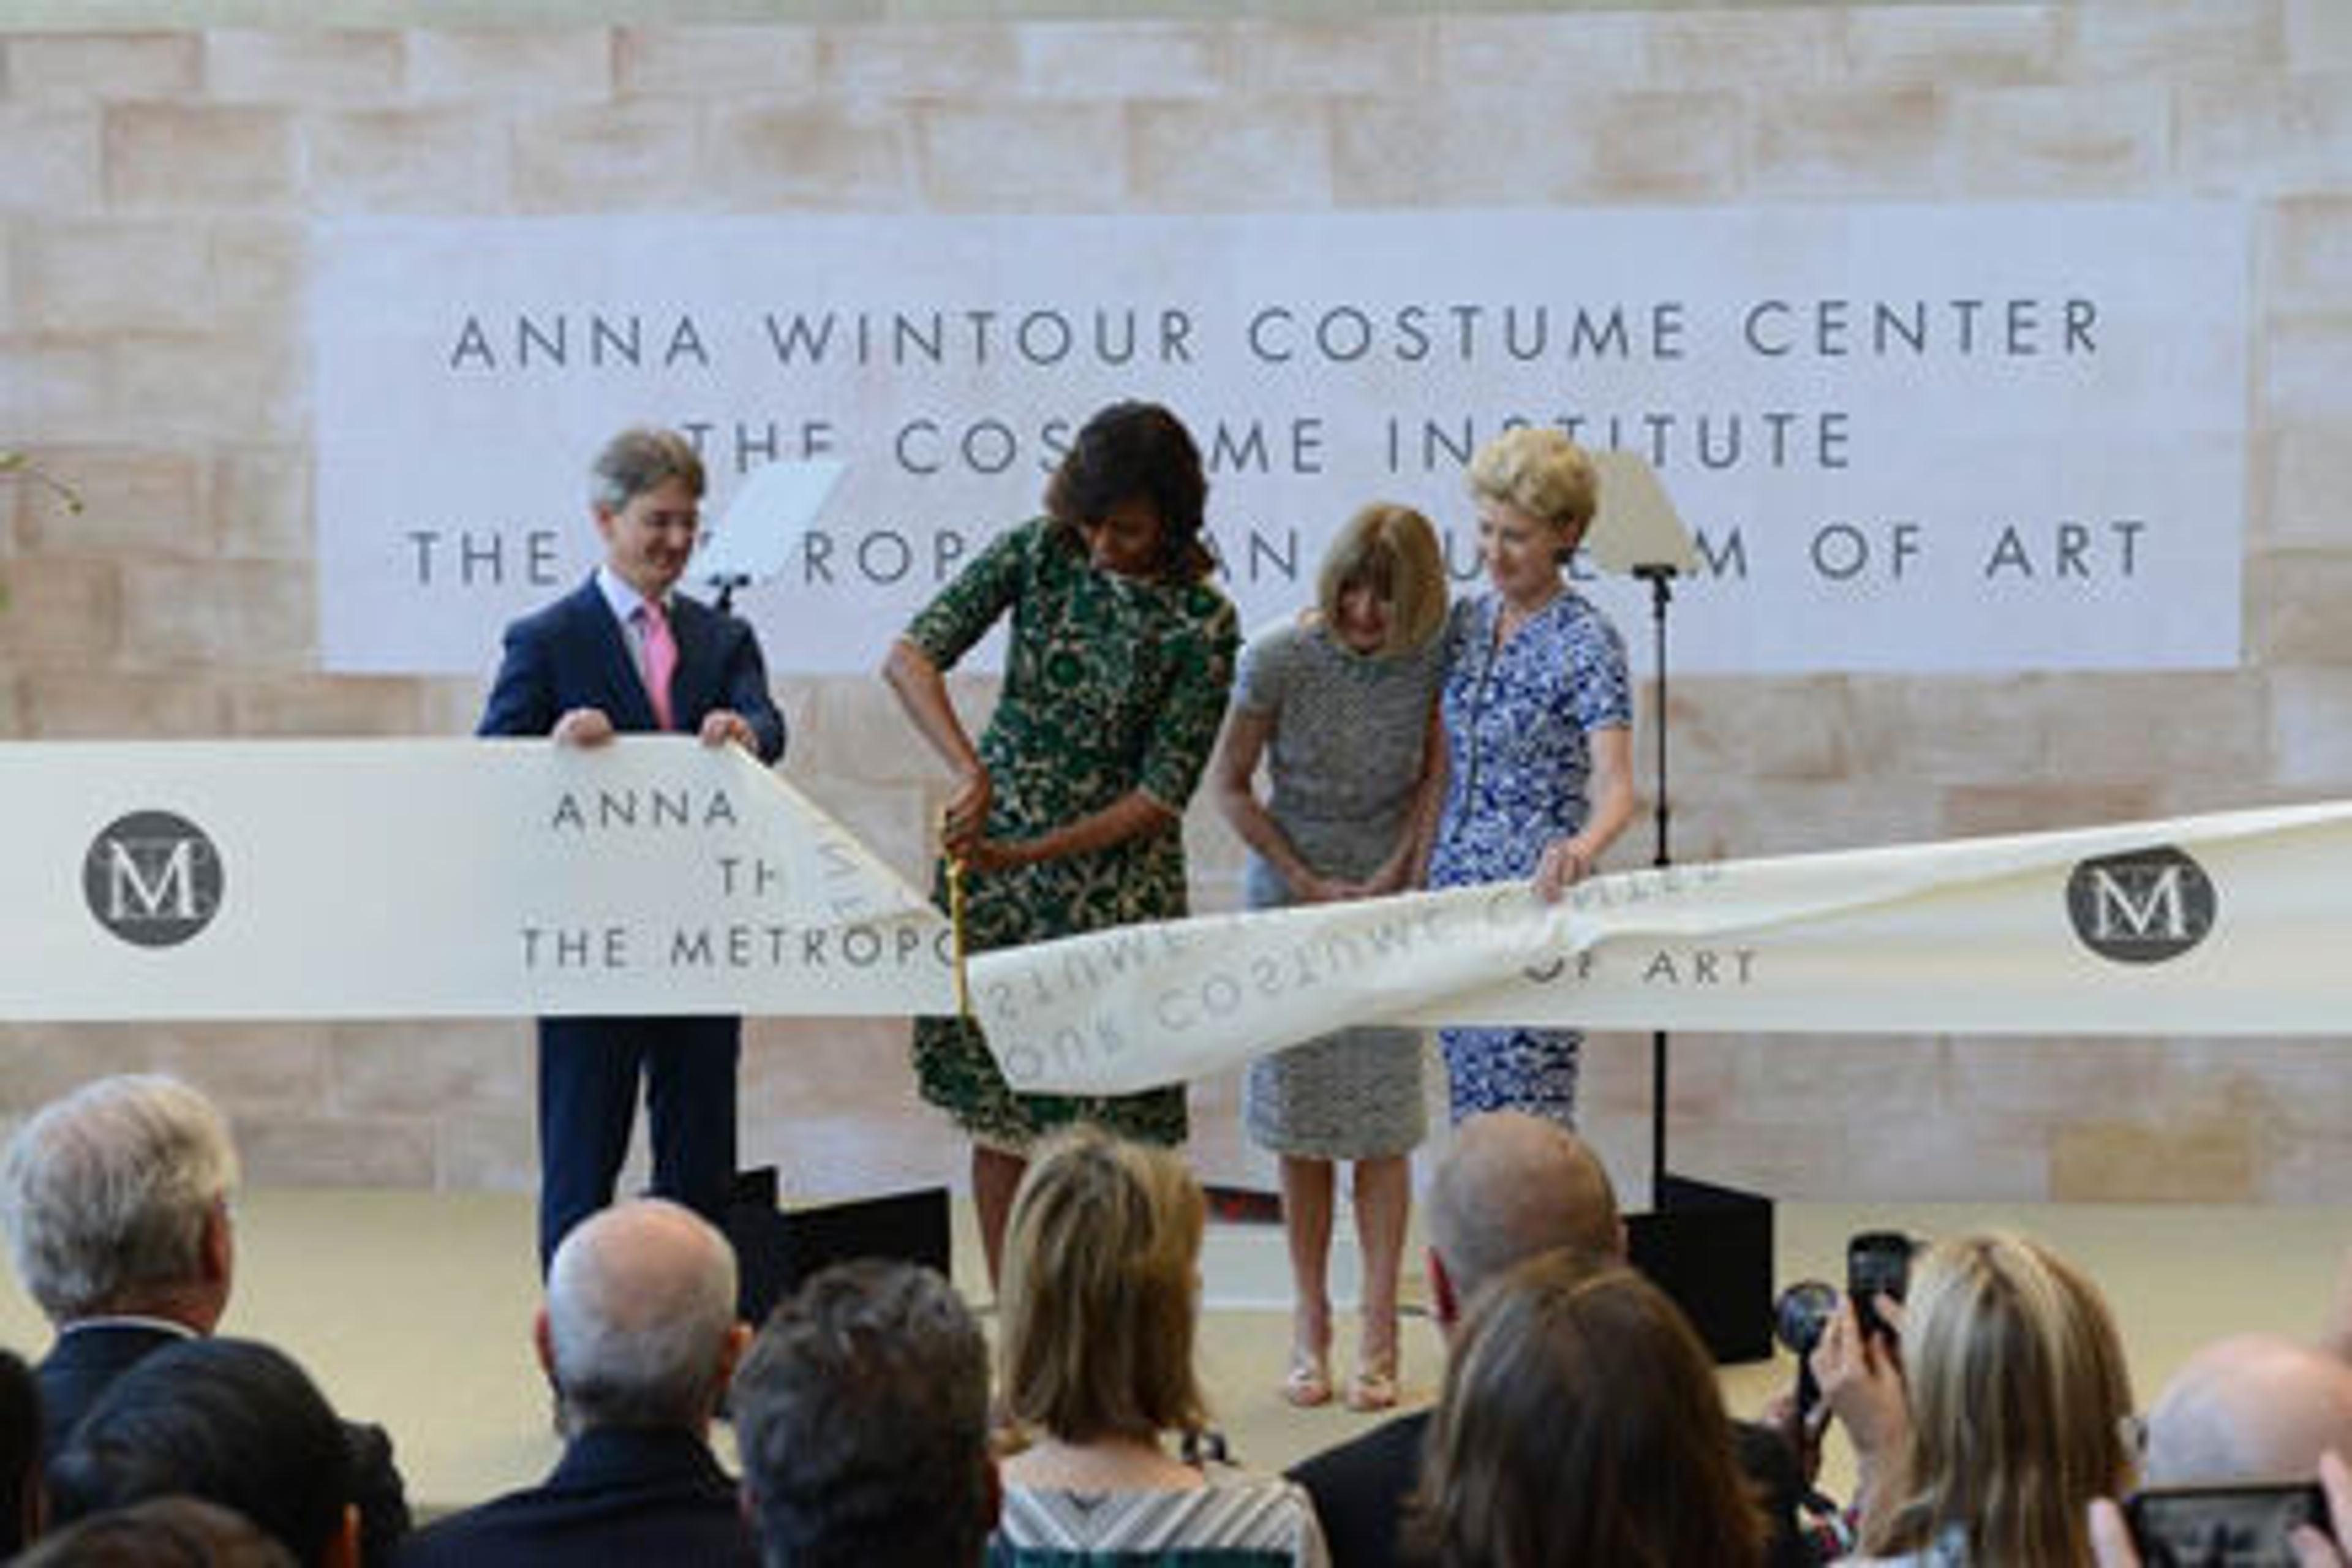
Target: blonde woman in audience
<point x="1340" y="703"/>
<point x="1099" y="1307"/>
<point x="2005" y="1420"/>
<point x="1582" y="1426"/>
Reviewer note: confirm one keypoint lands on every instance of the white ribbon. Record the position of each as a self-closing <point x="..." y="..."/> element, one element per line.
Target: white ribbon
<point x="2227" y="924"/>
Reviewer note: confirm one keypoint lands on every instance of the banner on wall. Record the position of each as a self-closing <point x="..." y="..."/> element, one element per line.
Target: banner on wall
<point x="424" y="878"/>
<point x="1910" y="437"/>
<point x="2228" y="924"/>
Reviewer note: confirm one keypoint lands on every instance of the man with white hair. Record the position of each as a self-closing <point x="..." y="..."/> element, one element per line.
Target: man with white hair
<point x="639" y="1339"/>
<point x="2252" y="1408"/>
<point x="116" y="1200"/>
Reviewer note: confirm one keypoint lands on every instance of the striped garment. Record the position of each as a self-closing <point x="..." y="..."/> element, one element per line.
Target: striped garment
<point x="1255" y="1521"/>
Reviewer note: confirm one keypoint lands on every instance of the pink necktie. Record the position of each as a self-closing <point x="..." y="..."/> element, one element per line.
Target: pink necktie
<point x="661" y="662"/>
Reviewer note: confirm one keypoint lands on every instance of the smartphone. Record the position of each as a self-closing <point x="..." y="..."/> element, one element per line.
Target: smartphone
<point x="2248" y="1526"/>
<point x="1877" y="1263"/>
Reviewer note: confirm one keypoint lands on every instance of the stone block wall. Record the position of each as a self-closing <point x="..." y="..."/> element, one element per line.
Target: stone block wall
<point x="155" y="186"/>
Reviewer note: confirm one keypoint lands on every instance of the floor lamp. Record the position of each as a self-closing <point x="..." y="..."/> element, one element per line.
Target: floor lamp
<point x="1708" y="1246"/>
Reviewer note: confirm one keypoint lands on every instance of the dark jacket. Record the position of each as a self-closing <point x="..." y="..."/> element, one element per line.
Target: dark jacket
<point x="88" y="1357"/>
<point x="622" y="1496"/>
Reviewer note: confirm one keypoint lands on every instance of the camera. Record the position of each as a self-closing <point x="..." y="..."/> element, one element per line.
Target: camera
<point x="1877" y="1263"/>
<point x="2249" y="1526"/>
<point x="1800" y="1318"/>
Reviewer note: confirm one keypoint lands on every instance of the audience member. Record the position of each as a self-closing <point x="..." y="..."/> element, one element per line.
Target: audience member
<point x="1581" y="1424"/>
<point x="2004" y="1418"/>
<point x="116" y="1200"/>
<point x="231" y="1421"/>
<point x="639" y="1338"/>
<point x="1511" y="1187"/>
<point x="1101" y="1304"/>
<point x="862" y="1417"/>
<point x="22" y="1495"/>
<point x="2111" y="1542"/>
<point x="2252" y="1408"/>
<point x="162" y="1532"/>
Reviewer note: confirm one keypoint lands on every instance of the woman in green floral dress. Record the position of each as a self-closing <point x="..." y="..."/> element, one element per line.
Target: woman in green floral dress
<point x="1069" y="814"/>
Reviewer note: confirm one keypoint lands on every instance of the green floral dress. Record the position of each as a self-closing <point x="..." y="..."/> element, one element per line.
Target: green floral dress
<point x="1111" y="685"/>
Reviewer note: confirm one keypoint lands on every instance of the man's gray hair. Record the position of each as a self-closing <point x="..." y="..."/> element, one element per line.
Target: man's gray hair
<point x="642" y="459"/>
<point x="862" y="1417"/>
<point x="106" y="1192"/>
<point x="640" y="1303"/>
<point x="1512" y="1187"/>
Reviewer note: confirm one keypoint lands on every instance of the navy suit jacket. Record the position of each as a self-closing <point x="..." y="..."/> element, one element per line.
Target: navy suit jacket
<point x="1359" y="1489"/>
<point x="622" y="1497"/>
<point x="86" y="1360"/>
<point x="573" y="654"/>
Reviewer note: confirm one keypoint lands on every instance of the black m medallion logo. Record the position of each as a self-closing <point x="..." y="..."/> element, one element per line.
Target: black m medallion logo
<point x="2142" y="907"/>
<point x="152" y="879"/>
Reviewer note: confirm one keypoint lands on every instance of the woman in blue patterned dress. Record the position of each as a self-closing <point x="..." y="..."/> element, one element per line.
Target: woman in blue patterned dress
<point x="1341" y="704"/>
<point x="1538" y="731"/>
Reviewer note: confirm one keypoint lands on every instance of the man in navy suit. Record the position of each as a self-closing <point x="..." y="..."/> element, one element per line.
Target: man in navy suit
<point x="626" y="652"/>
<point x="639" y="1338"/>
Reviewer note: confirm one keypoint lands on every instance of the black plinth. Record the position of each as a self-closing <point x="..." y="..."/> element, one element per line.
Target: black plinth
<point x="1710" y="1248"/>
<point x="775" y="1249"/>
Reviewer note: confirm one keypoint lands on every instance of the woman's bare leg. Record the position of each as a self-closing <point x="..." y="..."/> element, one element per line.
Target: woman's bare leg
<point x="1383" y="1203"/>
<point x="1306" y="1199"/>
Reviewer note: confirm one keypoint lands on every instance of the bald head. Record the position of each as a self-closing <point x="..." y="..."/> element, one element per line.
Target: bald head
<point x="640" y="1325"/>
<point x="2252" y="1408"/>
<point x="1514" y="1186"/>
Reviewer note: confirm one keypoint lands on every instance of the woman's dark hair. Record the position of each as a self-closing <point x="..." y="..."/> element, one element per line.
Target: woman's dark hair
<point x="162" y="1532"/>
<point x="1581" y="1423"/>
<point x="1130" y="451"/>
<point x="231" y="1421"/>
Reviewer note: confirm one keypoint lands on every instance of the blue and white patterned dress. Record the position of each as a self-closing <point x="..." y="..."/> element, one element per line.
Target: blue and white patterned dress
<point x="1516" y="720"/>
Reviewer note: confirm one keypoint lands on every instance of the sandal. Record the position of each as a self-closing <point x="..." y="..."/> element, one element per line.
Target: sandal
<point x="1309" y="1382"/>
<point x="1374" y="1386"/>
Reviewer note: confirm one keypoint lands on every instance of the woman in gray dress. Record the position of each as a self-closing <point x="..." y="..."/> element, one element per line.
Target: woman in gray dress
<point x="1341" y="703"/>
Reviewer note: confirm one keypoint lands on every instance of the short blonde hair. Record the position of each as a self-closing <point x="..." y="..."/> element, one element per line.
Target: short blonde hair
<point x="1541" y="472"/>
<point x="2018" y="1394"/>
<point x="1101" y="1262"/>
<point x="1393" y="550"/>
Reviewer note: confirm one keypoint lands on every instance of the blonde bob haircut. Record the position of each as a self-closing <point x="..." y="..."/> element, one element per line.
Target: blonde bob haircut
<point x="1393" y="550"/>
<point x="1101" y="1261"/>
<point x="1541" y="472"/>
<point x="2018" y="1396"/>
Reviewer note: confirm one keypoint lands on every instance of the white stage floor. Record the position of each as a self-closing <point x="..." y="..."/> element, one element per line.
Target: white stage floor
<point x="414" y="1310"/>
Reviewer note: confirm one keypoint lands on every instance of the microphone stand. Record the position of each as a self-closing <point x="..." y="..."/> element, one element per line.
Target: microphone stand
<point x="1661" y="579"/>
<point x="1707" y="1246"/>
<point x="727" y="583"/>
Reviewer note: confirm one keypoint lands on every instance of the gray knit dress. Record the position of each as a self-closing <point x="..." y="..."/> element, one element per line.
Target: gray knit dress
<point x="1345" y="757"/>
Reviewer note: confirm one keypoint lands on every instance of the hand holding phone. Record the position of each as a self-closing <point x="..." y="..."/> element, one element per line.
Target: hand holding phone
<point x="2242" y="1526"/>
<point x="1877" y="1263"/>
